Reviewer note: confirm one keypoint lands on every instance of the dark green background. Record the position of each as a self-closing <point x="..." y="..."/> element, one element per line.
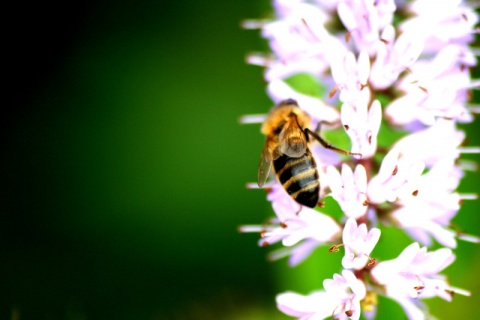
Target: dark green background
<point x="124" y="169"/>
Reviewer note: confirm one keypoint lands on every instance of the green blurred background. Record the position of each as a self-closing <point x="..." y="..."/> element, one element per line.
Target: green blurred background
<point x="124" y="169"/>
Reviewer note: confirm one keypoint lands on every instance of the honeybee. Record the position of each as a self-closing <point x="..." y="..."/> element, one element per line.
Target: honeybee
<point x="287" y="131"/>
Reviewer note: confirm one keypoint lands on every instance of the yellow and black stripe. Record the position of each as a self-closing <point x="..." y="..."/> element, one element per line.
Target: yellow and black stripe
<point x="299" y="177"/>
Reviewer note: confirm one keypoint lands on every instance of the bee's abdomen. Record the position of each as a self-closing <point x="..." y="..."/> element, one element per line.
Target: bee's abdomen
<point x="299" y="177"/>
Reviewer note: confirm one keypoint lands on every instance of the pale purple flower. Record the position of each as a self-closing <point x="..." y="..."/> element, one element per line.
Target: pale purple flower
<point x="349" y="189"/>
<point x="441" y="141"/>
<point x="415" y="274"/>
<point x="289" y="37"/>
<point x="436" y="88"/>
<point x="300" y="236"/>
<point x="397" y="178"/>
<point x="342" y="296"/>
<point x="295" y="254"/>
<point x="364" y="20"/>
<point x="393" y="56"/>
<point x="440" y="25"/>
<point x="438" y="203"/>
<point x="358" y="243"/>
<point x="351" y="76"/>
<point x="362" y="124"/>
<point x="300" y="222"/>
<point x="283" y="8"/>
<point x="299" y="41"/>
<point x="299" y="227"/>
<point x="315" y="306"/>
<point x="348" y="291"/>
<point x="279" y="70"/>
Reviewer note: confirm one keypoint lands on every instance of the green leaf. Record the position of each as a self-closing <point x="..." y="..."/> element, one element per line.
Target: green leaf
<point x="307" y="84"/>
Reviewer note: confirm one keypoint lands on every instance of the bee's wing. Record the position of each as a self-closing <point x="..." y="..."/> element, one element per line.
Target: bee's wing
<point x="293" y="141"/>
<point x="265" y="163"/>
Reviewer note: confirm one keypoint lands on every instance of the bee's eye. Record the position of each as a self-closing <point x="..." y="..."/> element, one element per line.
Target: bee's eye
<point x="279" y="128"/>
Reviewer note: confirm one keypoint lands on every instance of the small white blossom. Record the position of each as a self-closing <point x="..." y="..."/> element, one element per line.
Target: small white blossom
<point x="430" y="145"/>
<point x="349" y="189"/>
<point x="436" y="88"/>
<point x="365" y="19"/>
<point x="397" y="178"/>
<point x="351" y="76"/>
<point x="342" y="296"/>
<point x="289" y="37"/>
<point x="309" y="224"/>
<point x="362" y="125"/>
<point x="300" y="228"/>
<point x="437" y="203"/>
<point x="414" y="274"/>
<point x="299" y="41"/>
<point x="298" y="222"/>
<point x="279" y="70"/>
<point x="348" y="291"/>
<point x="394" y="56"/>
<point x="315" y="306"/>
<point x="358" y="243"/>
<point x="450" y="22"/>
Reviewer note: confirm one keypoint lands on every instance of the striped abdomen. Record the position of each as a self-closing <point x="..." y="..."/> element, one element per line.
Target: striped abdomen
<point x="299" y="177"/>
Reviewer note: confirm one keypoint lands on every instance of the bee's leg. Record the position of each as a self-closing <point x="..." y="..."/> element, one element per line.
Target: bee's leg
<point x="327" y="145"/>
<point x="319" y="124"/>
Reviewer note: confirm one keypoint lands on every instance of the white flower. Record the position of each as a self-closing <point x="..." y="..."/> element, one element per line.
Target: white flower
<point x="348" y="291"/>
<point x="414" y="274"/>
<point x="279" y="70"/>
<point x="358" y="243"/>
<point x="437" y="88"/>
<point x="437" y="203"/>
<point x="289" y="36"/>
<point x="351" y="76"/>
<point x="349" y="189"/>
<point x="438" y="142"/>
<point x="340" y="299"/>
<point x="299" y="41"/>
<point x="298" y="222"/>
<point x="397" y="178"/>
<point x="362" y="126"/>
<point x="365" y="19"/>
<point x="394" y="56"/>
<point x="449" y="22"/>
<point x="300" y="228"/>
<point x="315" y="306"/>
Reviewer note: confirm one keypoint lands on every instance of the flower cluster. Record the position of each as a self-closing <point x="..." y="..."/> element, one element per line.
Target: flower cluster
<point x="403" y="65"/>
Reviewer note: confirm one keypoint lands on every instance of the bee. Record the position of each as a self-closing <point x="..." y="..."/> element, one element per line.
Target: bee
<point x="287" y="148"/>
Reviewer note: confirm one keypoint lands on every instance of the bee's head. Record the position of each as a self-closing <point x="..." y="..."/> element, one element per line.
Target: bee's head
<point x="288" y="102"/>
